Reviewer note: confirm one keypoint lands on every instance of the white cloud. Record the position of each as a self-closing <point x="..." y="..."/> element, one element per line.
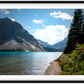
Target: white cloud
<point x="51" y="34"/>
<point x="36" y="15"/>
<point x="61" y="15"/>
<point x="12" y="19"/>
<point x="4" y="11"/>
<point x="37" y="21"/>
<point x="55" y="13"/>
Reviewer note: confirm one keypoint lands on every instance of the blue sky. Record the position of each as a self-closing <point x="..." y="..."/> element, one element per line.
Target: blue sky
<point x="49" y="25"/>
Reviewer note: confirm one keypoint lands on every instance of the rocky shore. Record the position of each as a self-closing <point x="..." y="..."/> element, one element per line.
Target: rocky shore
<point x="53" y="69"/>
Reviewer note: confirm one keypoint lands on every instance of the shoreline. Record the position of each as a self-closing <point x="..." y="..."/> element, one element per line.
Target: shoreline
<point x="53" y="69"/>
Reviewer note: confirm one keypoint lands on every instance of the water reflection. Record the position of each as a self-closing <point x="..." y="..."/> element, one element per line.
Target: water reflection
<point x="27" y="63"/>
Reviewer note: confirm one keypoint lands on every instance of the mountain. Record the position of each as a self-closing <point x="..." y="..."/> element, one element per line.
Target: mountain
<point x="45" y="44"/>
<point x="48" y="47"/>
<point x="13" y="37"/>
<point x="60" y="45"/>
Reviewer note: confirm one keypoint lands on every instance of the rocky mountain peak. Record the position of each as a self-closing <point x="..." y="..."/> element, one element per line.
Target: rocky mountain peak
<point x="5" y="19"/>
<point x="13" y="30"/>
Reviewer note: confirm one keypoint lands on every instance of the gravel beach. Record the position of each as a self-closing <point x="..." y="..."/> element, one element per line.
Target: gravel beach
<point x="53" y="69"/>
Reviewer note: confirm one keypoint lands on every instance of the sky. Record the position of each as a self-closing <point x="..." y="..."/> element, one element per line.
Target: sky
<point x="48" y="25"/>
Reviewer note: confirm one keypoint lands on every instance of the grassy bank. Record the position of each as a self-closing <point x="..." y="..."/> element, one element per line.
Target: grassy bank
<point x="72" y="64"/>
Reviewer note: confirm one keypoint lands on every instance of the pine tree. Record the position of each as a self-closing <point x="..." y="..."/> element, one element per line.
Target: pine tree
<point x="82" y="32"/>
<point x="75" y="32"/>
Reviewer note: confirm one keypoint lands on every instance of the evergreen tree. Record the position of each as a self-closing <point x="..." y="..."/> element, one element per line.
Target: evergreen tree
<point x="76" y="32"/>
<point x="82" y="32"/>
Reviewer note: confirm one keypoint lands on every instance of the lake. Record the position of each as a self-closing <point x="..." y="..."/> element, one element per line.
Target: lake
<point x="26" y="63"/>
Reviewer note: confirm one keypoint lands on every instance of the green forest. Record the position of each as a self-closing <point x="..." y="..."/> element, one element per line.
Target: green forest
<point x="72" y="59"/>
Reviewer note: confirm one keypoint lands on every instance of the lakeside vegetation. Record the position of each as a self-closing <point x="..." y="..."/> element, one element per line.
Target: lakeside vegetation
<point x="72" y="59"/>
<point x="73" y="64"/>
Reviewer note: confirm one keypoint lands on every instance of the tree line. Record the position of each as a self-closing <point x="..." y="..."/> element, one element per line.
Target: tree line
<point x="76" y="32"/>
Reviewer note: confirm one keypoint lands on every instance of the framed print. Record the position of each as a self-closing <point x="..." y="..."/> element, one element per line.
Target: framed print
<point x="41" y="41"/>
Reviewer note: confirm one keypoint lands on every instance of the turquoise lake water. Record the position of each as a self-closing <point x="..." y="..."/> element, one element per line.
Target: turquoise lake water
<point x="26" y="63"/>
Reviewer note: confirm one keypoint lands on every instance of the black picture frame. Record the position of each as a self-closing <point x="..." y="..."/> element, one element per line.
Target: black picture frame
<point x="40" y="81"/>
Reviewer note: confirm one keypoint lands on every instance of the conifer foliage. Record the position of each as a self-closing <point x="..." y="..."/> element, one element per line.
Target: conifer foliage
<point x="75" y="63"/>
<point x="76" y="32"/>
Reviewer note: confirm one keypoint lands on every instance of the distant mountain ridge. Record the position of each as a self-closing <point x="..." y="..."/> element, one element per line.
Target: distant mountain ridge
<point x="14" y="37"/>
<point x="45" y="44"/>
<point x="60" y="45"/>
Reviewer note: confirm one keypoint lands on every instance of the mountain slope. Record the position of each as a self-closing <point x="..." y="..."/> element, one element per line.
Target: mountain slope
<point x="45" y="44"/>
<point x="14" y="37"/>
<point x="60" y="45"/>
